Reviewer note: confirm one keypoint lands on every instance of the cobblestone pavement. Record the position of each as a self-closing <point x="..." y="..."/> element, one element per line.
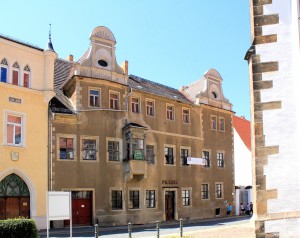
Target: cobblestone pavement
<point x="235" y="231"/>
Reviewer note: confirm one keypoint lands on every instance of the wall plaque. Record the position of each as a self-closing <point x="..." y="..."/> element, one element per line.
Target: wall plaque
<point x="14" y="156"/>
<point x="15" y="100"/>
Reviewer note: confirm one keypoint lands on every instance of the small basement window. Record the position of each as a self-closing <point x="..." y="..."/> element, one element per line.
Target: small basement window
<point x="102" y="63"/>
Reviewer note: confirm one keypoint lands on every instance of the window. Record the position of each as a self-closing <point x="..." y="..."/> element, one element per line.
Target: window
<point x="94" y="98"/>
<point x="170" y="112"/>
<point x="14" y="135"/>
<point x="150" y="107"/>
<point x="3" y="70"/>
<point x="186" y="197"/>
<point x="113" y="151"/>
<point x="186" y="115"/>
<point x="135" y="105"/>
<point x="220" y="159"/>
<point x="138" y="149"/>
<point x="213" y="122"/>
<point x="219" y="190"/>
<point x="116" y="200"/>
<point x="169" y="155"/>
<point x="150" y="155"/>
<point x="184" y="154"/>
<point x="204" y="191"/>
<point x="114" y="101"/>
<point x="221" y="124"/>
<point x="66" y="148"/>
<point x="26" y="78"/>
<point x="150" y="198"/>
<point x="88" y="149"/>
<point x="134" y="199"/>
<point x="205" y="155"/>
<point x="15" y="74"/>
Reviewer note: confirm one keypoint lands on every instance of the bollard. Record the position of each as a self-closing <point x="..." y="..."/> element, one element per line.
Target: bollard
<point x="129" y="229"/>
<point x="96" y="231"/>
<point x="157" y="228"/>
<point x="181" y="231"/>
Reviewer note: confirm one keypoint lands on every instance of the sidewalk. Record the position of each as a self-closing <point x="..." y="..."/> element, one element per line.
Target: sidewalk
<point x="234" y="231"/>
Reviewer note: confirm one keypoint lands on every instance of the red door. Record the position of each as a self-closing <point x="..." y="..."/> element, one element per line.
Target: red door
<point x="25" y="207"/>
<point x="81" y="212"/>
<point x="169" y="205"/>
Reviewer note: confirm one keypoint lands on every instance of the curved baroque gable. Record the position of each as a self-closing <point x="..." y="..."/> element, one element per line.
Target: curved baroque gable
<point x="104" y="33"/>
<point x="213" y="73"/>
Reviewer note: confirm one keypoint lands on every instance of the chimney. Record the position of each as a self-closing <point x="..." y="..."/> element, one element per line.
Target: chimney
<point x="70" y="57"/>
<point x="125" y="66"/>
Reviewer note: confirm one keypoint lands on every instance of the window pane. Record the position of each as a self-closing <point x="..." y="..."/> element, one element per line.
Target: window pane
<point x="26" y="80"/>
<point x="15" y="79"/>
<point x="3" y="74"/>
<point x="10" y="134"/>
<point x="14" y="119"/>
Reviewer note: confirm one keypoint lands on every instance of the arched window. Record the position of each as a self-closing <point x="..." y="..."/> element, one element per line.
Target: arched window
<point x="3" y="70"/>
<point x="26" y="81"/>
<point x="15" y="74"/>
<point x="13" y="186"/>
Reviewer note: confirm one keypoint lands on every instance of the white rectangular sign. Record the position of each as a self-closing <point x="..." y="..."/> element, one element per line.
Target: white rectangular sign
<point x="198" y="161"/>
<point x="59" y="205"/>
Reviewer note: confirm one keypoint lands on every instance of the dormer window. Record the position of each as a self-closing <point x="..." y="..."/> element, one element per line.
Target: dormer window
<point x="102" y="63"/>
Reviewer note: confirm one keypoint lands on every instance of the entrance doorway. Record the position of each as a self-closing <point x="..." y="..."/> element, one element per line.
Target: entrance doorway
<point x="81" y="208"/>
<point x="14" y="198"/>
<point x="169" y="205"/>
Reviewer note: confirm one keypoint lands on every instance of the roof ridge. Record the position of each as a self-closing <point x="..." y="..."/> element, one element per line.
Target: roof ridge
<point x="16" y="40"/>
<point x="131" y="75"/>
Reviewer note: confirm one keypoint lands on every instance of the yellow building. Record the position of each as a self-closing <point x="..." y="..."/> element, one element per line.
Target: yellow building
<point x="26" y="86"/>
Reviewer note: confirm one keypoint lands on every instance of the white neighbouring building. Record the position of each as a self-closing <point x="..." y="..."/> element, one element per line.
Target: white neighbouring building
<point x="274" y="62"/>
<point x="242" y="162"/>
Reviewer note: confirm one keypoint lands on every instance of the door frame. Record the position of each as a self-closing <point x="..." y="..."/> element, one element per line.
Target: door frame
<point x="175" y="190"/>
<point x="92" y="199"/>
<point x="32" y="193"/>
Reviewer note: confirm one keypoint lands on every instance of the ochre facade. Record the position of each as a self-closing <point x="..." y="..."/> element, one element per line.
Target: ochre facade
<point x="26" y="87"/>
<point x="121" y="143"/>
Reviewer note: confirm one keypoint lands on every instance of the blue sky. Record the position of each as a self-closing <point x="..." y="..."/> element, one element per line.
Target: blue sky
<point x="172" y="42"/>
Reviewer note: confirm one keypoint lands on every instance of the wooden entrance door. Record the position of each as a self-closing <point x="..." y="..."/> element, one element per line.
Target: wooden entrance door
<point x="81" y="209"/>
<point x="13" y="207"/>
<point x="169" y="205"/>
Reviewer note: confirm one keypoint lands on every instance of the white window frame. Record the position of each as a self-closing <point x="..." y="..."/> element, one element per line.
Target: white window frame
<point x="173" y="112"/>
<point x="209" y="162"/>
<point x="147" y="114"/>
<point x="68" y="136"/>
<point x="7" y="70"/>
<point x="118" y="100"/>
<point x="155" y="198"/>
<point x="223" y="153"/>
<point x="134" y="104"/>
<point x="222" y="190"/>
<point x="174" y="155"/>
<point x="90" y="95"/>
<point x="120" y="149"/>
<point x="213" y="122"/>
<point x="155" y="152"/>
<point x="140" y="197"/>
<point x="220" y="123"/>
<point x="86" y="137"/>
<point x="17" y="69"/>
<point x="189" y="154"/>
<point x="23" y="126"/>
<point x="110" y="199"/>
<point x="190" y="196"/>
<point x="187" y="116"/>
<point x="208" y="197"/>
<point x="27" y="71"/>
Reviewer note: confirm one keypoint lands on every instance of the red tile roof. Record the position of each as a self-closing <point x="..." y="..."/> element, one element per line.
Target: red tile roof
<point x="242" y="126"/>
